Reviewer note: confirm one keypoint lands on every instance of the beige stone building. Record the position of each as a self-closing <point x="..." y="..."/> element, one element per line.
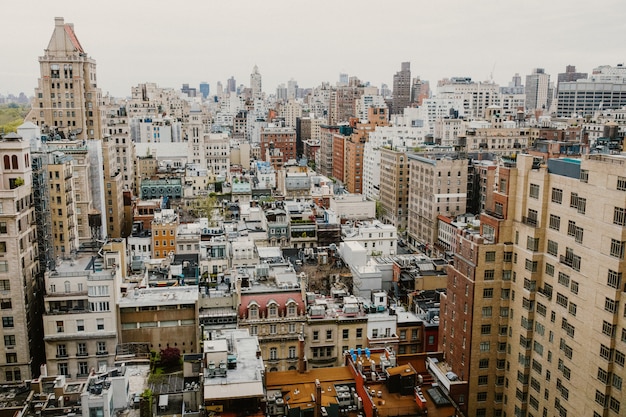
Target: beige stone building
<point x="67" y="96"/>
<point x="394" y="187"/>
<point x="532" y="317"/>
<point x="438" y="185"/>
<point x="18" y="263"/>
<point x="80" y="325"/>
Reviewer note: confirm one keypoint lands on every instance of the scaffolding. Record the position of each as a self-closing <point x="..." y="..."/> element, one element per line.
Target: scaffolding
<point x="43" y="219"/>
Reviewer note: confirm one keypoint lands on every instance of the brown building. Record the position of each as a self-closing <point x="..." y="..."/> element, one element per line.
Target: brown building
<point x="281" y="138"/>
<point x="339" y="150"/>
<point x="394" y="187"/>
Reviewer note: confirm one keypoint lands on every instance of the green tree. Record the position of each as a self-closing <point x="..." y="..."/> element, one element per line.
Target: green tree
<point x="205" y="207"/>
<point x="380" y="210"/>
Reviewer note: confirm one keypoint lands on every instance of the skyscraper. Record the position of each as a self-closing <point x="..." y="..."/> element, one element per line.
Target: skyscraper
<point x="67" y="97"/>
<point x="204" y="89"/>
<point x="231" y="85"/>
<point x="402" y="88"/>
<point x="537" y="90"/>
<point x="255" y="83"/>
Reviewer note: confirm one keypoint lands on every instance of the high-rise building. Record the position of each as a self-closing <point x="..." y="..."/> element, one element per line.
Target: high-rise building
<point x="401" y="88"/>
<point x="570" y="75"/>
<point x="255" y="83"/>
<point x="20" y="281"/>
<point x="438" y="186"/>
<point x="67" y="96"/>
<point x="604" y="89"/>
<point x="205" y="89"/>
<point x="537" y="90"/>
<point x="231" y="85"/>
<point x="534" y="297"/>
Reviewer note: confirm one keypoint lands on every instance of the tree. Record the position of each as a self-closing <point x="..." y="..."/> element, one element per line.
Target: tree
<point x="380" y="210"/>
<point x="205" y="207"/>
<point x="170" y="357"/>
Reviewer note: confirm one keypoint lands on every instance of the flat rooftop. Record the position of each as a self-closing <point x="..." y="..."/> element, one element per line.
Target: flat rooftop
<point x="160" y="296"/>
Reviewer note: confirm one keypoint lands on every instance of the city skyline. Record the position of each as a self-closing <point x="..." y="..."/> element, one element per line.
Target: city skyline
<point x="208" y="41"/>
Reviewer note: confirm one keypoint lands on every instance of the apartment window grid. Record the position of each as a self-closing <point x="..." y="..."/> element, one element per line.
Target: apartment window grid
<point x="614" y="279"/>
<point x="619" y="216"/>
<point x="533" y="191"/>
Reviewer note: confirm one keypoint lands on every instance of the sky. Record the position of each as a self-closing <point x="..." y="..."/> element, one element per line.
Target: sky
<point x="189" y="41"/>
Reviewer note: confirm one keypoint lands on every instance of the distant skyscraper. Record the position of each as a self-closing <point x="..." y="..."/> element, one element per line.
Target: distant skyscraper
<point x="255" y="83"/>
<point x="537" y="90"/>
<point x="220" y="89"/>
<point x="401" y="88"/>
<point x="67" y="97"/>
<point x="570" y="74"/>
<point x="232" y="85"/>
<point x="292" y="89"/>
<point x="343" y="79"/>
<point x="384" y="90"/>
<point x="204" y="89"/>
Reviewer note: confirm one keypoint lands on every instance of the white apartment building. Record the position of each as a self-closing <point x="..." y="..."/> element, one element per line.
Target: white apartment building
<point x="80" y="325"/>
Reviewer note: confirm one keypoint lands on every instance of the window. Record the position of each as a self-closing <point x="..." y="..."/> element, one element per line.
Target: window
<point x="483" y="379"/>
<point x="81" y="349"/>
<point x="63" y="369"/>
<point x="557" y="195"/>
<point x="610" y="305"/>
<point x="483" y="363"/>
<point x="573" y="230"/>
<point x="273" y="354"/>
<point x="273" y="311"/>
<point x="292" y="352"/>
<point x="61" y="351"/>
<point x="7" y="322"/>
<point x="101" y="347"/>
<point x="490" y="256"/>
<point x="83" y="368"/>
<point x="359" y="332"/>
<point x="487" y="311"/>
<point x="80" y="325"/>
<point x="534" y="191"/>
<point x="329" y="334"/>
<point x="485" y="346"/>
<point x="291" y="310"/>
<point x="346" y="333"/>
<point x="617" y="249"/>
<point x="272" y="329"/>
<point x="532" y="243"/>
<point x="485" y="329"/>
<point x="608" y="328"/>
<point x="621" y="183"/>
<point x="11" y="357"/>
<point x="553" y="247"/>
<point x="254" y="330"/>
<point x="619" y="216"/>
<point x="550" y="269"/>
<point x="614" y="404"/>
<point x="574" y="287"/>
<point x="614" y="279"/>
<point x="292" y="327"/>
<point x="316" y="335"/>
<point x="578" y="203"/>
<point x="100" y="324"/>
<point x="563" y="279"/>
<point x="60" y="327"/>
<point x="487" y="292"/>
<point x="253" y="312"/>
<point x="9" y="340"/>
<point x="489" y="275"/>
<point x="531" y="265"/>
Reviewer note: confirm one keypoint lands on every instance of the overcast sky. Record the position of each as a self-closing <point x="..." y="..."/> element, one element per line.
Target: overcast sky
<point x="189" y="41"/>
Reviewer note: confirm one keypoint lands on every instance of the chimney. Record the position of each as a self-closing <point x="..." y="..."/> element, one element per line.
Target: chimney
<point x="318" y="399"/>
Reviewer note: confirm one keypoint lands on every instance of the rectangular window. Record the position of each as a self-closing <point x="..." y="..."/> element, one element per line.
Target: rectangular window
<point x="617" y="249"/>
<point x="485" y="346"/>
<point x="557" y="195"/>
<point x="614" y="279"/>
<point x="619" y="216"/>
<point x="487" y="311"/>
<point x="621" y="183"/>
<point x="533" y="191"/>
<point x="346" y="333"/>
<point x="531" y="265"/>
<point x="550" y="269"/>
<point x="532" y="243"/>
<point x="610" y="305"/>
<point x="7" y="322"/>
<point x="490" y="256"/>
<point x="100" y="324"/>
<point x="489" y="275"/>
<point x="563" y="279"/>
<point x="584" y="175"/>
<point x="608" y="328"/>
<point x="555" y="222"/>
<point x="553" y="247"/>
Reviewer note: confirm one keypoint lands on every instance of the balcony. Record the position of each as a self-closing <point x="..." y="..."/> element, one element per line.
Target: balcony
<point x="102" y="353"/>
<point x="573" y="261"/>
<point x="82" y="354"/>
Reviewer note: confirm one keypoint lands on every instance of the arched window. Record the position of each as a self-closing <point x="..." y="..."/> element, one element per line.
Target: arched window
<point x="14" y="162"/>
<point x="272" y="310"/>
<point x="253" y="312"/>
<point x="291" y="309"/>
<point x="7" y="162"/>
<point x="67" y="286"/>
<point x="273" y="354"/>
